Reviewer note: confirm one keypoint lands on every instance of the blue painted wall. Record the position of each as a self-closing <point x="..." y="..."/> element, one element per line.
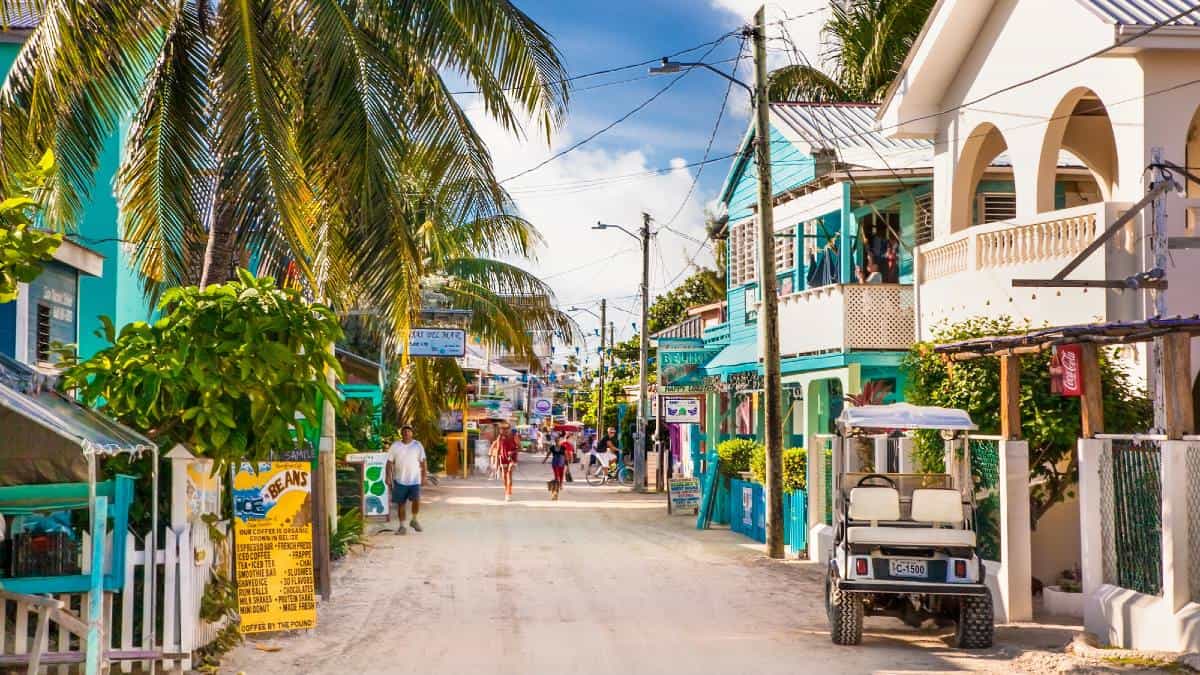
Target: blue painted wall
<point x="117" y="293"/>
<point x="789" y="169"/>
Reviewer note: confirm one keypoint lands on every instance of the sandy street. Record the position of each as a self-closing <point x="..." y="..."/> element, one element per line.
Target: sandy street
<point x="602" y="581"/>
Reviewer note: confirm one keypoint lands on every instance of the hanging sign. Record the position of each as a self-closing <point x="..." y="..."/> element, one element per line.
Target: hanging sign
<point x="681" y="364"/>
<point x="681" y="410"/>
<point x="437" y="342"/>
<point x="1066" y="373"/>
<point x="543" y="407"/>
<point x="272" y="515"/>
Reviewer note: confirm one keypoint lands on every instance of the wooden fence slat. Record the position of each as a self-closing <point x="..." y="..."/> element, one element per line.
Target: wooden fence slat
<point x="21" y="636"/>
<point x="64" y="635"/>
<point x="148" y="595"/>
<point x="170" y="641"/>
<point x="127" y="594"/>
<point x="187" y="617"/>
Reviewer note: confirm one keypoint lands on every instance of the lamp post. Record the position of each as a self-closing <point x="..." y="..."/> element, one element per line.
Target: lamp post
<point x="768" y="320"/>
<point x="639" y="437"/>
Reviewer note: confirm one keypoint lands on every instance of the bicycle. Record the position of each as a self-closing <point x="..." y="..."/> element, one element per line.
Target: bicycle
<point x="600" y="474"/>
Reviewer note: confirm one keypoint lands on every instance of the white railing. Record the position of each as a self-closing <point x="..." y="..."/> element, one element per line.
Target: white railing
<point x="970" y="273"/>
<point x="184" y="565"/>
<point x="841" y="317"/>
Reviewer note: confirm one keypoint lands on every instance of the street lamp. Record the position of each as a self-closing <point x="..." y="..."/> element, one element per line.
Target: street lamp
<point x="768" y="322"/>
<point x="639" y="438"/>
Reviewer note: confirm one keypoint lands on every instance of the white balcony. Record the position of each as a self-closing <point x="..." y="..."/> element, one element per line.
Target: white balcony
<point x="970" y="273"/>
<point x="845" y="317"/>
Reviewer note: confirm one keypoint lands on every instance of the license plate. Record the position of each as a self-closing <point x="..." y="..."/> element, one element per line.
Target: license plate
<point x="908" y="568"/>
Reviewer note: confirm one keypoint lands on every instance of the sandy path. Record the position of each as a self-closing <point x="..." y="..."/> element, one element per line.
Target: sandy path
<point x="599" y="582"/>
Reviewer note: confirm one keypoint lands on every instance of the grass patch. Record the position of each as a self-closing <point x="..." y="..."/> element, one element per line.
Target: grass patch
<point x="1146" y="662"/>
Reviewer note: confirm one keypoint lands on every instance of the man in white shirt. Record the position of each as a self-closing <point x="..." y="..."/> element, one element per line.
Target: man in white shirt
<point x="406" y="474"/>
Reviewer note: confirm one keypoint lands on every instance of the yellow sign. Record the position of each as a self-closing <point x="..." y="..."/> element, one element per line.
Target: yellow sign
<point x="272" y="509"/>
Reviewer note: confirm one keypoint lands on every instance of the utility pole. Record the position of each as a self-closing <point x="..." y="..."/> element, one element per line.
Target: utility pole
<point x="1158" y="248"/>
<point x="639" y="443"/>
<point x="768" y="318"/>
<point x="600" y="399"/>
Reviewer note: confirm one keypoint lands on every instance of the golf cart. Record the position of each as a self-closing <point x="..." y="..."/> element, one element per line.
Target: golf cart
<point x="904" y="543"/>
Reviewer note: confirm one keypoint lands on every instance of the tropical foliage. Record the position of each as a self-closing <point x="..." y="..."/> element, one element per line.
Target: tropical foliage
<point x="252" y="137"/>
<point x="225" y="370"/>
<point x="23" y="248"/>
<point x="795" y="468"/>
<point x="866" y="42"/>
<point x="1049" y="422"/>
<point x="736" y="454"/>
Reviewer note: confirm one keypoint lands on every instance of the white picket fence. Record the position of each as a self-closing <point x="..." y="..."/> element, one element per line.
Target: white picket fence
<point x="184" y="564"/>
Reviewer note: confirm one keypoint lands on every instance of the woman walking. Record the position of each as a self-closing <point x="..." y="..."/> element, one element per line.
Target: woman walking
<point x="508" y="453"/>
<point x="557" y="454"/>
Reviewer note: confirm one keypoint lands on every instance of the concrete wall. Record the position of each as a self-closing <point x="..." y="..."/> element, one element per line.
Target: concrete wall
<point x="1055" y="542"/>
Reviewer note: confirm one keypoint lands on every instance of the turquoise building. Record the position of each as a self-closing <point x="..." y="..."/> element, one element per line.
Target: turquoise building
<point x="850" y="206"/>
<point x="100" y="281"/>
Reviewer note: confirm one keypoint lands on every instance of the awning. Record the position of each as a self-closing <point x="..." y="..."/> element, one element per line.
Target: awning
<point x="904" y="416"/>
<point x="732" y="356"/>
<point x="47" y="436"/>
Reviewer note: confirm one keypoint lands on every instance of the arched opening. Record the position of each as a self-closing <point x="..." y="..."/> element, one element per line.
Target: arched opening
<point x="1192" y="161"/>
<point x="974" y="200"/>
<point x="1078" y="164"/>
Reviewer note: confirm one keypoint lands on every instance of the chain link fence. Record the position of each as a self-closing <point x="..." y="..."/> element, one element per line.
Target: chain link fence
<point x="985" y="470"/>
<point x="1193" y="511"/>
<point x="1131" y="514"/>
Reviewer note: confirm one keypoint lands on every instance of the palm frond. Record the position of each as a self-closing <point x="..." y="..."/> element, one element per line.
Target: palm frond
<point x="804" y="83"/>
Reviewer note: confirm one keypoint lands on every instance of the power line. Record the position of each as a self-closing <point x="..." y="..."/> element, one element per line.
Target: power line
<point x="606" y="71"/>
<point x="711" y="137"/>
<point x="619" y="120"/>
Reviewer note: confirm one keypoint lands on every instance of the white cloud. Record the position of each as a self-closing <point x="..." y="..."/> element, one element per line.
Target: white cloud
<point x="801" y="24"/>
<point x="567" y="197"/>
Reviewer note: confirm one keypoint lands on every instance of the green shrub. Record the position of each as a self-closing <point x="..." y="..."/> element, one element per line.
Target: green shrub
<point x="795" y="468"/>
<point x="435" y="456"/>
<point x="350" y="531"/>
<point x="735" y="455"/>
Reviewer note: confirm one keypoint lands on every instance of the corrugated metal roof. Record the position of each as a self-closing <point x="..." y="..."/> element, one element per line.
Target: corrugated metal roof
<point x="1144" y="12"/>
<point x="691" y="327"/>
<point x="841" y="126"/>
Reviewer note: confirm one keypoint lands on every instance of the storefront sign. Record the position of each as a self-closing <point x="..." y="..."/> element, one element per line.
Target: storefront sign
<point x="748" y="380"/>
<point x="1066" y="377"/>
<point x="685" y="495"/>
<point x="681" y="410"/>
<point x="272" y="509"/>
<point x="375" y="487"/>
<point x="681" y="368"/>
<point x="543" y="407"/>
<point x="437" y="342"/>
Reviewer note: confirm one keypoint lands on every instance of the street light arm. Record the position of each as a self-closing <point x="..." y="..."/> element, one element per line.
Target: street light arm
<point x="605" y="226"/>
<point x="669" y="66"/>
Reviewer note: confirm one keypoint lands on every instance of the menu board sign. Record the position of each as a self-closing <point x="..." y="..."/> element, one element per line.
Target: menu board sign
<point x="273" y="553"/>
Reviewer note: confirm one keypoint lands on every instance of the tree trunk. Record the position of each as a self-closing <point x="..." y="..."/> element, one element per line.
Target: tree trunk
<point x="217" y="266"/>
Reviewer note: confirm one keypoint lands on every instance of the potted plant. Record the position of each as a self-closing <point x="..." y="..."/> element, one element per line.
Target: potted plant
<point x="1065" y="598"/>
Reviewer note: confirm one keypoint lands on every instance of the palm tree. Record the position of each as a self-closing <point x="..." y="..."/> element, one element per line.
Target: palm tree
<point x="866" y="43"/>
<point x="281" y="128"/>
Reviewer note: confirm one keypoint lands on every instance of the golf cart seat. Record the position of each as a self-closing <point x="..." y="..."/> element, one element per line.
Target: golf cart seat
<point x="910" y="536"/>
<point x="929" y="506"/>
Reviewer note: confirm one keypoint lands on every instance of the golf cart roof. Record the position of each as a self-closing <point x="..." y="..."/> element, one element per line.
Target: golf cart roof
<point x="904" y="416"/>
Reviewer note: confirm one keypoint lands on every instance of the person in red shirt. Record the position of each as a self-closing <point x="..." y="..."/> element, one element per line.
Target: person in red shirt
<point x="510" y="450"/>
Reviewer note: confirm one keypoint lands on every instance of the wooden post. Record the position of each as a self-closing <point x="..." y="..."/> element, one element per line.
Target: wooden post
<point x="1010" y="397"/>
<point x="1091" y="405"/>
<point x="1177" y="385"/>
<point x="180" y="458"/>
<point x="94" y="654"/>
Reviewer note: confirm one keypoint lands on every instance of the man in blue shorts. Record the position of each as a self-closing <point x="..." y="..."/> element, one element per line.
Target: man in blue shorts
<point x="405" y="475"/>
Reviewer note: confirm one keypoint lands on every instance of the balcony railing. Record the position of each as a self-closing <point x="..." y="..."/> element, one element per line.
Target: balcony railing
<point x="718" y="334"/>
<point x="844" y="317"/>
<point x="970" y="273"/>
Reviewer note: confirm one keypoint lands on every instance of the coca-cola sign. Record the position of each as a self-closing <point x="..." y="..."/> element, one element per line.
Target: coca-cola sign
<point x="1066" y="372"/>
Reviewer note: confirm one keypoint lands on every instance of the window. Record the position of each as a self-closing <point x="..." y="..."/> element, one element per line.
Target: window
<point x="923" y="218"/>
<point x="785" y="249"/>
<point x="43" y="333"/>
<point x="742" y="267"/>
<point x="993" y="207"/>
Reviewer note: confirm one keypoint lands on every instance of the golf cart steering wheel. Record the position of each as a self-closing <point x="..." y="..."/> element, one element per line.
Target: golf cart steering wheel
<point x="869" y="477"/>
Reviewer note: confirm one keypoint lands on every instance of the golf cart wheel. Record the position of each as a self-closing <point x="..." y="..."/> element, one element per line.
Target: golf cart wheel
<point x="594" y="476"/>
<point x="845" y="615"/>
<point x="625" y="476"/>
<point x="976" y="623"/>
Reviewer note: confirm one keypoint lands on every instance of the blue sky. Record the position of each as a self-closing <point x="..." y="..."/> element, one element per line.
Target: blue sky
<point x="569" y="195"/>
